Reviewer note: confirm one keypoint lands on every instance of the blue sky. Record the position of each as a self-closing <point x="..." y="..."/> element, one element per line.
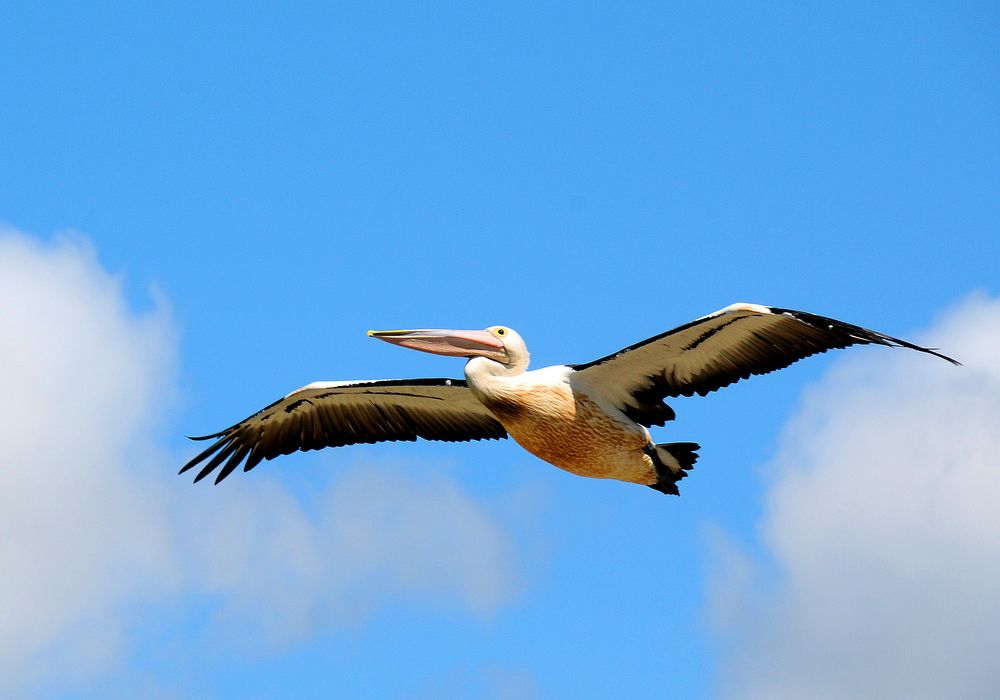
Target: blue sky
<point x="254" y="186"/>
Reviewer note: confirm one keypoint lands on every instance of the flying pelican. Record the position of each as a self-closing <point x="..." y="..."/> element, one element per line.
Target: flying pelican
<point x="590" y="419"/>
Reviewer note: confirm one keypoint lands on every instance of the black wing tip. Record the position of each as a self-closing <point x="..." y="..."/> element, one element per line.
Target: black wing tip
<point x="202" y="456"/>
<point x="857" y="333"/>
<point x="952" y="360"/>
<point x="206" y="472"/>
<point x="206" y="437"/>
<point x="932" y="351"/>
<point x="201" y="475"/>
<point x="217" y="454"/>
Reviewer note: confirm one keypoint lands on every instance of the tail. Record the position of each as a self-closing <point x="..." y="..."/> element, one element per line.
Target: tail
<point x="672" y="461"/>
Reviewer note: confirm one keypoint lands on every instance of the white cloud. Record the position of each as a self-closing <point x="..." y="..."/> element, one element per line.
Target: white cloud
<point x="883" y="525"/>
<point x="95" y="523"/>
<point x="374" y="535"/>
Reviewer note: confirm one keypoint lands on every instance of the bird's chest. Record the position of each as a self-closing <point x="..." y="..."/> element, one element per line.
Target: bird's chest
<point x="564" y="428"/>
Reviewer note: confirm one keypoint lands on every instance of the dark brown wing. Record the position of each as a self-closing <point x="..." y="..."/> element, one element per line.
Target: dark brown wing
<point x="331" y="414"/>
<point x="717" y="350"/>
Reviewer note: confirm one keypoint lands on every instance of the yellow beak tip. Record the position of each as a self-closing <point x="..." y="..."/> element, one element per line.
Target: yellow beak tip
<point x="371" y="333"/>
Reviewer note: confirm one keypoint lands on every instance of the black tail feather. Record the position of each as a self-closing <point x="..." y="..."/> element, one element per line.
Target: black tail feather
<point x="672" y="460"/>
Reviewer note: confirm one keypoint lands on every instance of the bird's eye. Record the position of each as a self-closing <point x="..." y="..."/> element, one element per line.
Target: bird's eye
<point x="501" y="331"/>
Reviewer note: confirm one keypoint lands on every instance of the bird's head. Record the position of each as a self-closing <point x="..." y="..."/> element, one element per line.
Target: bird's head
<point x="499" y="344"/>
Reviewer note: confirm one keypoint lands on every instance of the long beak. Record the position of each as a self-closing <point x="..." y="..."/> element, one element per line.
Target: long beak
<point x="447" y="342"/>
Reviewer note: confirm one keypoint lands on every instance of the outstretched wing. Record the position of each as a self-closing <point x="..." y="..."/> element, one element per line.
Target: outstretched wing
<point x="717" y="350"/>
<point x="331" y="414"/>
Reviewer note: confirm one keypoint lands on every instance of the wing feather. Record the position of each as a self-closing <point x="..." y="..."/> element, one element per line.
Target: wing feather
<point x="333" y="414"/>
<point x="717" y="350"/>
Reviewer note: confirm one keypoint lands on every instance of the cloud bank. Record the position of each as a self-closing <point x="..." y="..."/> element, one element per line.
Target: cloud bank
<point x="882" y="529"/>
<point x="96" y="527"/>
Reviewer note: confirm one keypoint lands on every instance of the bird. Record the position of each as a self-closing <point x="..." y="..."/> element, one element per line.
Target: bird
<point x="591" y="419"/>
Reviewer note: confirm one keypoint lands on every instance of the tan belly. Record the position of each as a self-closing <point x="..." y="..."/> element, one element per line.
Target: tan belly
<point x="574" y="434"/>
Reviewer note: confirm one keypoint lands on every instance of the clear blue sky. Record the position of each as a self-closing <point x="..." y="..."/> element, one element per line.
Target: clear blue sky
<point x="589" y="174"/>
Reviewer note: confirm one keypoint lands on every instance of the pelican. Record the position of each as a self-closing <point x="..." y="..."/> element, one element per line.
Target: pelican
<point x="590" y="419"/>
